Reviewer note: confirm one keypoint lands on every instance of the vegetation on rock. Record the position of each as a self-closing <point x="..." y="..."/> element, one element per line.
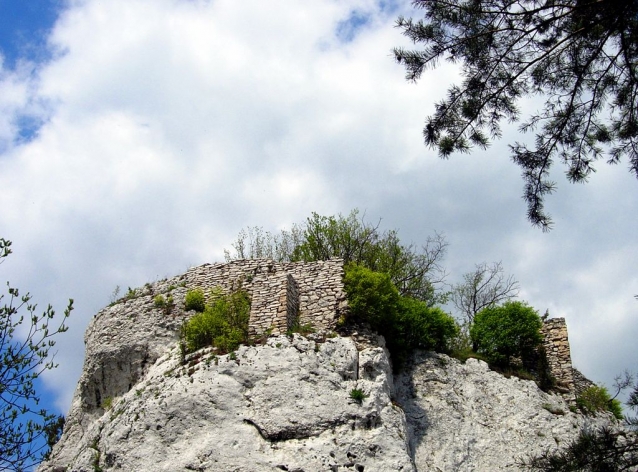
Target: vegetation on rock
<point x="405" y="322"/>
<point x="596" y="399"/>
<point x="223" y="323"/>
<point x="505" y="332"/>
<point x="195" y="300"/>
<point x="607" y="450"/>
<point x="358" y="395"/>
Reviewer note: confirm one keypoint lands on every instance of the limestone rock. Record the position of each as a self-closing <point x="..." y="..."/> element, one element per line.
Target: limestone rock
<point x="465" y="417"/>
<point x="282" y="406"/>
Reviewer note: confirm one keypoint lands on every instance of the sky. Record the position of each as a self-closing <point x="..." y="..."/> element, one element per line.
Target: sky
<point x="138" y="137"/>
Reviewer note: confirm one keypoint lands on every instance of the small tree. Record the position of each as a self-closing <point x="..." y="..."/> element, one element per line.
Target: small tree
<point x="485" y="287"/>
<point x="506" y="331"/>
<point x="24" y="356"/>
<point x="255" y="243"/>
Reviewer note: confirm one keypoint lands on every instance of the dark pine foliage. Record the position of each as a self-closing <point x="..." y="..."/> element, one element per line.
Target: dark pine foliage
<point x="604" y="450"/>
<point x="593" y="451"/>
<point x="579" y="56"/>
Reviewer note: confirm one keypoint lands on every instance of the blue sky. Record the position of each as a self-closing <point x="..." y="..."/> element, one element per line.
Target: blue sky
<point x="166" y="126"/>
<point x="24" y="27"/>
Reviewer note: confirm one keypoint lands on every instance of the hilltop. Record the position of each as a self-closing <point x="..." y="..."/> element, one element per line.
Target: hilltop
<point x="327" y="400"/>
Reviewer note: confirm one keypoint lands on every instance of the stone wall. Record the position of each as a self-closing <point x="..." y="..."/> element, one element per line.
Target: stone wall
<point x="556" y="344"/>
<point x="282" y="294"/>
<point x="269" y="301"/>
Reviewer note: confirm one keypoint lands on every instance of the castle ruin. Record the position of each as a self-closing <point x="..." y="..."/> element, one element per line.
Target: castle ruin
<point x="282" y="294"/>
<point x="285" y="294"/>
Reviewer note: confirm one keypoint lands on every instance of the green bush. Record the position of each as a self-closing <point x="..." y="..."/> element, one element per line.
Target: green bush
<point x="372" y="297"/>
<point x="223" y="323"/>
<point x="405" y="322"/>
<point x="508" y="331"/>
<point x="195" y="301"/>
<point x="425" y="327"/>
<point x="596" y="398"/>
<point x="159" y="301"/>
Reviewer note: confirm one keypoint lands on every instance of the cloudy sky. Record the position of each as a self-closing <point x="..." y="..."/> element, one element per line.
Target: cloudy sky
<point x="137" y="137"/>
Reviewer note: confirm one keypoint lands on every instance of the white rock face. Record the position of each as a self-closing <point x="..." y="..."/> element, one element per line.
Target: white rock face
<point x="282" y="406"/>
<point x="464" y="417"/>
<point x="286" y="406"/>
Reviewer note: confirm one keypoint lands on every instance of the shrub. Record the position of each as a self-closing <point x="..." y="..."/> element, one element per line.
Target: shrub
<point x="107" y="403"/>
<point x="507" y="331"/>
<point x="372" y="298"/>
<point x="159" y="301"/>
<point x="195" y="301"/>
<point x="596" y="398"/>
<point x="303" y="329"/>
<point x="425" y="327"/>
<point x="223" y="323"/>
<point x="405" y="322"/>
<point x="131" y="293"/>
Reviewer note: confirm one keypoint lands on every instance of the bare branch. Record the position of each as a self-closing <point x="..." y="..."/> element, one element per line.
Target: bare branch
<point x="486" y="286"/>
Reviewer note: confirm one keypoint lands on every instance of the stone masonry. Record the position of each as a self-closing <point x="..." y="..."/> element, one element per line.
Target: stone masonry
<point x="581" y="383"/>
<point x="556" y="344"/>
<point x="282" y="294"/>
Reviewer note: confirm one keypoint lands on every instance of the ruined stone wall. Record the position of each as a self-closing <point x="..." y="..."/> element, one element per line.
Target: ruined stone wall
<point x="282" y="293"/>
<point x="322" y="298"/>
<point x="285" y="294"/>
<point x="556" y="344"/>
<point x="268" y="306"/>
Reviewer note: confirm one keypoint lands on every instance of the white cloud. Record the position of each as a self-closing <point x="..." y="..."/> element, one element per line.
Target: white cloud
<point x="170" y="125"/>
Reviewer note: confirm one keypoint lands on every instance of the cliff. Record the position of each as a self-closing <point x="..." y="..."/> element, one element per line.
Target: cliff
<point x="286" y="404"/>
